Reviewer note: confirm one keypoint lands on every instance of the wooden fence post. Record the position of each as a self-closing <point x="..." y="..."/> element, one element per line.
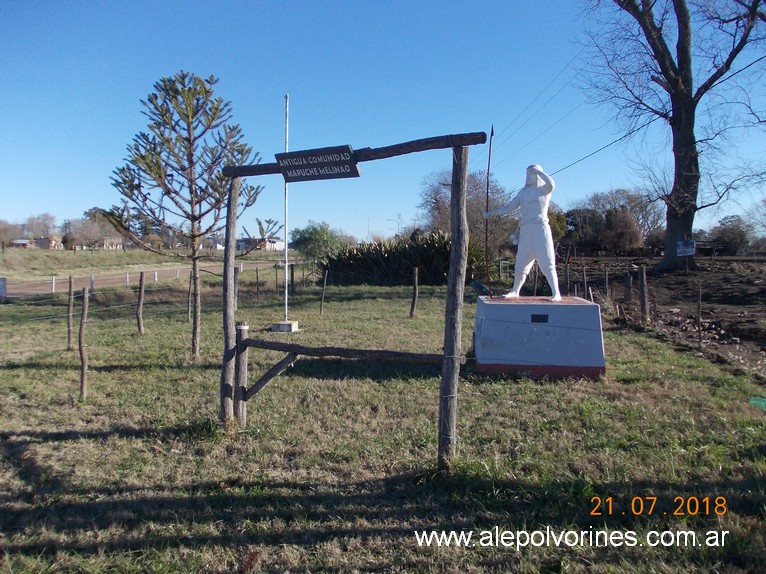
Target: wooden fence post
<point x="69" y="312"/>
<point x="567" y="279"/>
<point x="414" y="304"/>
<point x="257" y="285"/>
<point x="140" y="304"/>
<point x="236" y="288"/>
<point x="628" y="284"/>
<point x="644" y="294"/>
<point x="584" y="283"/>
<point x="324" y="288"/>
<point x="240" y="375"/>
<point x="453" y="316"/>
<point x="229" y="336"/>
<point x="81" y="344"/>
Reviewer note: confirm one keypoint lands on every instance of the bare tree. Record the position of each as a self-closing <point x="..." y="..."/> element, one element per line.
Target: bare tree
<point x="647" y="213"/>
<point x="662" y="59"/>
<point x="173" y="172"/>
<point x="435" y="204"/>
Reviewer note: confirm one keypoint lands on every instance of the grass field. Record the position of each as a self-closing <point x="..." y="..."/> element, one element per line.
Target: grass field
<point x="336" y="470"/>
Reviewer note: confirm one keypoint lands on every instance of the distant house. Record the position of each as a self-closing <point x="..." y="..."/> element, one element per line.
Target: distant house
<point x="21" y="243"/>
<point x="111" y="243"/>
<point x="213" y="242"/>
<point x="48" y="243"/>
<point x="259" y="243"/>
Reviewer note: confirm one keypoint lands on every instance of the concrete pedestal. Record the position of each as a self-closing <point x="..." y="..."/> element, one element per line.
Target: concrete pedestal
<point x="537" y="336"/>
<point x="285" y="327"/>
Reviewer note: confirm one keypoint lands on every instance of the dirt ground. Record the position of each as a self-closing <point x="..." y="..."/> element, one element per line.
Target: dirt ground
<point x="731" y="294"/>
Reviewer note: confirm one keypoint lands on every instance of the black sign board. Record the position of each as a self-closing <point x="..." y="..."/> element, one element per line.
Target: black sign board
<point x="322" y="163"/>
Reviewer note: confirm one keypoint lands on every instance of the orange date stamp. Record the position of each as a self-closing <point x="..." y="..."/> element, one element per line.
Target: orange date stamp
<point x="648" y="505"/>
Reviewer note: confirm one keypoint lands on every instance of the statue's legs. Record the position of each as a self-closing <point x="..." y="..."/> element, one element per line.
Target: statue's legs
<point x="535" y="243"/>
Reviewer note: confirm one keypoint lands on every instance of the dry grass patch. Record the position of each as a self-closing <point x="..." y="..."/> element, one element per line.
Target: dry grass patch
<point x="336" y="470"/>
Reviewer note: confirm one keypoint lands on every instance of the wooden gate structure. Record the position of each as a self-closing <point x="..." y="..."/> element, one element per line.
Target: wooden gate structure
<point x="233" y="388"/>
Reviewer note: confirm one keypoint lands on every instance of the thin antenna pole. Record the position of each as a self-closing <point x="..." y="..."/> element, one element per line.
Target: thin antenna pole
<point x="486" y="221"/>
<point x="287" y="123"/>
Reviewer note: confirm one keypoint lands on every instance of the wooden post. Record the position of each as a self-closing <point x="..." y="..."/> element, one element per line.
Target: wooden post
<point x="566" y="279"/>
<point x="81" y="344"/>
<point x="140" y="304"/>
<point x="606" y="283"/>
<point x="53" y="283"/>
<point x="699" y="316"/>
<point x="92" y="283"/>
<point x="69" y="312"/>
<point x="236" y="287"/>
<point x="414" y="304"/>
<point x="628" y="284"/>
<point x="584" y="283"/>
<point x="229" y="335"/>
<point x="257" y="285"/>
<point x="292" y="278"/>
<point x="453" y="316"/>
<point x="644" y="294"/>
<point x="324" y="288"/>
<point x="240" y="375"/>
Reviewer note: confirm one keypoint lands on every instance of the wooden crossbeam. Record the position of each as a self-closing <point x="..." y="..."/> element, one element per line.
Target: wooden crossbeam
<point x="347" y="353"/>
<point x="370" y="154"/>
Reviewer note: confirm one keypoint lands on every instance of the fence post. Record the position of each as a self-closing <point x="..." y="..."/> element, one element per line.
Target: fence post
<point x="292" y="278"/>
<point x="324" y="288"/>
<point x="92" y="283"/>
<point x="81" y="344"/>
<point x="3" y="289"/>
<point x="453" y="315"/>
<point x="53" y="283"/>
<point x="240" y="375"/>
<point x="70" y="310"/>
<point x="644" y="294"/>
<point x="567" y="279"/>
<point x="584" y="283"/>
<point x="414" y="304"/>
<point x="140" y="305"/>
<point x="628" y="284"/>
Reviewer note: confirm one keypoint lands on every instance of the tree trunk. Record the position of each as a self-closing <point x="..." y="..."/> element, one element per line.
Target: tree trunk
<point x="196" y="298"/>
<point x="682" y="203"/>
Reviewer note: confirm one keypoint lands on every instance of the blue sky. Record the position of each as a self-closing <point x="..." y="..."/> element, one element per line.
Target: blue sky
<point x="363" y="73"/>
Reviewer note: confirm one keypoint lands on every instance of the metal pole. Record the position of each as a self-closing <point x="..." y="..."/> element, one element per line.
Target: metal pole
<point x="287" y="123"/>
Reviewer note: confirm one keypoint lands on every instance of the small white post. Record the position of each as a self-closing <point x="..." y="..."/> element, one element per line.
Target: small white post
<point x="155" y="277"/>
<point x="53" y="283"/>
<point x="127" y="279"/>
<point x="92" y="283"/>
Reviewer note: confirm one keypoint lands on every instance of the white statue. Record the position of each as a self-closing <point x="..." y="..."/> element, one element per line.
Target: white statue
<point x="535" y="238"/>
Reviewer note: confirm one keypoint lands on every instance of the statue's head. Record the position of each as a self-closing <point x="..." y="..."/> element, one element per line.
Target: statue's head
<point x="532" y="174"/>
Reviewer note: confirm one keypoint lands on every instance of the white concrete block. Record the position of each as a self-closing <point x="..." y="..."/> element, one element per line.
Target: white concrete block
<point x="285" y="327"/>
<point x="537" y="336"/>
